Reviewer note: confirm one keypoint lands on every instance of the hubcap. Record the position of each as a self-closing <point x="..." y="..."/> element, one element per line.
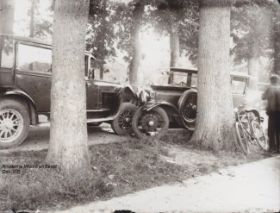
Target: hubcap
<point x="11" y="125"/>
<point x="151" y="123"/>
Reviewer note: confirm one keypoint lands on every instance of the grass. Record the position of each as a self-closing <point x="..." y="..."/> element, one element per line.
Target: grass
<point x="118" y="168"/>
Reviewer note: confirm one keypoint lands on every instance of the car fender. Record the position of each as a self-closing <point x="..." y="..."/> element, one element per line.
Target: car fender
<point x="185" y="94"/>
<point x="30" y="102"/>
<point x="127" y="94"/>
<point x="163" y="104"/>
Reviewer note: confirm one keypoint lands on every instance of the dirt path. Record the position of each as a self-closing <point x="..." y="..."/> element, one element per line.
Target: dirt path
<point x="253" y="187"/>
<point x="38" y="137"/>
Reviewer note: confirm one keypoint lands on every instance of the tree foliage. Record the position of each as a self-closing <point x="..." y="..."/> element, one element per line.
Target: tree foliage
<point x="248" y="31"/>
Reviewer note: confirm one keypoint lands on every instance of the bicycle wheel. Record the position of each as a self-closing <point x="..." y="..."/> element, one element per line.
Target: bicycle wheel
<point x="242" y="138"/>
<point x="259" y="135"/>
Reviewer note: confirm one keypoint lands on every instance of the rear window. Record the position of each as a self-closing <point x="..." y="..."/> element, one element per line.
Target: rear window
<point x="34" y="59"/>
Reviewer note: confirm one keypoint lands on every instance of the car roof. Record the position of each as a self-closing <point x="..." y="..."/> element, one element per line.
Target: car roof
<point x="32" y="41"/>
<point x="239" y="75"/>
<point x="183" y="70"/>
<point x="27" y="39"/>
<point x="235" y="75"/>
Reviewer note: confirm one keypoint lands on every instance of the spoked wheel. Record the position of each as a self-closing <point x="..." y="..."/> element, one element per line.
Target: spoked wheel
<point x="187" y="108"/>
<point x="14" y="123"/>
<point x="242" y="138"/>
<point x="259" y="135"/>
<point x="121" y="125"/>
<point x="153" y="123"/>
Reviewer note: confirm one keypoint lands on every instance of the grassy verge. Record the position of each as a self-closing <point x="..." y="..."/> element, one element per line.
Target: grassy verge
<point x="118" y="168"/>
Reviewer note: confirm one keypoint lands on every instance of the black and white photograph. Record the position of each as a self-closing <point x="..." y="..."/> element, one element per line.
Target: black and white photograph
<point x="139" y="106"/>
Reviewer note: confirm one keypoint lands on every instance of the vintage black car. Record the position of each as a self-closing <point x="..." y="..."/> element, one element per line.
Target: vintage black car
<point x="174" y="103"/>
<point x="25" y="84"/>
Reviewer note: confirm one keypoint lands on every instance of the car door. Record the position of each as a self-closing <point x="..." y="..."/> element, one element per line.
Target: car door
<point x="33" y="73"/>
<point x="92" y="89"/>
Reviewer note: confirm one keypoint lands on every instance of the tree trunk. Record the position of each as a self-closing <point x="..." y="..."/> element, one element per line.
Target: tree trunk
<point x="68" y="134"/>
<point x="253" y="69"/>
<point x="135" y="77"/>
<point x="6" y="16"/>
<point x="32" y="14"/>
<point x="215" y="117"/>
<point x="174" y="47"/>
<point x="276" y="41"/>
<point x="260" y="44"/>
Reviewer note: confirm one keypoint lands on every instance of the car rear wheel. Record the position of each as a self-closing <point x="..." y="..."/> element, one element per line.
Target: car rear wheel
<point x="14" y="123"/>
<point x="187" y="109"/>
<point x="122" y="124"/>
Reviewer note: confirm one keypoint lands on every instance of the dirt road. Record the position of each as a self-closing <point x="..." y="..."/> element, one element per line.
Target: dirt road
<point x="38" y="137"/>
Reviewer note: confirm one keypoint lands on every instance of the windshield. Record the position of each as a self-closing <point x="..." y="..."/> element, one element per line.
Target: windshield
<point x="238" y="87"/>
<point x="184" y="79"/>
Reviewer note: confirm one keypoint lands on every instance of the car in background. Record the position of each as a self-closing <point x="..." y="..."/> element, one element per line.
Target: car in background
<point x="25" y="85"/>
<point x="164" y="105"/>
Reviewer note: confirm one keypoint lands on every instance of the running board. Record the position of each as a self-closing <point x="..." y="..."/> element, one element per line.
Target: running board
<point x="91" y="120"/>
<point x="98" y="120"/>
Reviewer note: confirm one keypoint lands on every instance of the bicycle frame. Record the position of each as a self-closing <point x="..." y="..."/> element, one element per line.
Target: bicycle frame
<point x="250" y="128"/>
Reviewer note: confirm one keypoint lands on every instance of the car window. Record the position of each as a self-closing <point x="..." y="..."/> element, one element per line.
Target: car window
<point x="179" y="79"/>
<point x="34" y="59"/>
<point x="194" y="80"/>
<point x="7" y="53"/>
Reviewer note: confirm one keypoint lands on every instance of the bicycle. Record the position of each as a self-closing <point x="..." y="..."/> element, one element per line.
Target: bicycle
<point x="249" y="131"/>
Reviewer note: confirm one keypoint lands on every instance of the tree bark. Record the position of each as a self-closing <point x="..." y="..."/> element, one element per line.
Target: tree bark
<point x="215" y="117"/>
<point x="135" y="77"/>
<point x="68" y="134"/>
<point x="32" y="14"/>
<point x="6" y="16"/>
<point x="276" y="41"/>
<point x="260" y="44"/>
<point x="174" y="47"/>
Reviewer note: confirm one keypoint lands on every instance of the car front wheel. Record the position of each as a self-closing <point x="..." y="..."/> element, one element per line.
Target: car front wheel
<point x="121" y="125"/>
<point x="14" y="123"/>
<point x="153" y="123"/>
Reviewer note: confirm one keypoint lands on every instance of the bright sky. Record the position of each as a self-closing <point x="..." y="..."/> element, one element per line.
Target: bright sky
<point x="21" y="25"/>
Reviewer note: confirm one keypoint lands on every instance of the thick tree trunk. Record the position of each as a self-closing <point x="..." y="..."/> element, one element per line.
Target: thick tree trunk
<point x="68" y="135"/>
<point x="215" y="117"/>
<point x="261" y="42"/>
<point x="6" y="16"/>
<point x="31" y="23"/>
<point x="174" y="47"/>
<point x="276" y="42"/>
<point x="253" y="70"/>
<point x="135" y="77"/>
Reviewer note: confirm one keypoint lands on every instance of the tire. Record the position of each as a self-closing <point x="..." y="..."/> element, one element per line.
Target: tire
<point x="14" y="122"/>
<point x="242" y="138"/>
<point x="153" y="123"/>
<point x="121" y="125"/>
<point x="187" y="108"/>
<point x="259" y="135"/>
